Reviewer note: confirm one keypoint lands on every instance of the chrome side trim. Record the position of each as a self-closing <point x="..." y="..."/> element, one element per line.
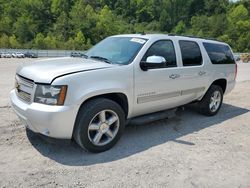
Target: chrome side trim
<point x="163" y="96"/>
<point x="157" y="97"/>
<point x="191" y="91"/>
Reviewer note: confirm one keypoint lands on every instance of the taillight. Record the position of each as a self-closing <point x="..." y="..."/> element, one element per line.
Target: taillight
<point x="236" y="71"/>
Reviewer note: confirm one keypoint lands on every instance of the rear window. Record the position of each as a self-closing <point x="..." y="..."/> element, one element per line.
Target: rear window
<point x="191" y="54"/>
<point x="219" y="53"/>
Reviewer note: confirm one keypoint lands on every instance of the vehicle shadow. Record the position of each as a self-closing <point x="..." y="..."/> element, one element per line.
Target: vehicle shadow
<point x="137" y="139"/>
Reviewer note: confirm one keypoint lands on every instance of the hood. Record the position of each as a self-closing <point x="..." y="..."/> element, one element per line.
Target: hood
<point x="44" y="71"/>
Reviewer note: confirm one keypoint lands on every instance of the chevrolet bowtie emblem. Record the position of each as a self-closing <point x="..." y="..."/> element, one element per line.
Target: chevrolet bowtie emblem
<point x="17" y="85"/>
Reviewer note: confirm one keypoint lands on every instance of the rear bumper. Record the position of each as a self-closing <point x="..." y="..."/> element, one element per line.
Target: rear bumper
<point x="51" y="121"/>
<point x="230" y="87"/>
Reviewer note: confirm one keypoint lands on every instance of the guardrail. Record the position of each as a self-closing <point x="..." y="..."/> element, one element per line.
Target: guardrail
<point x="42" y="53"/>
<point x="55" y="53"/>
<point x="237" y="53"/>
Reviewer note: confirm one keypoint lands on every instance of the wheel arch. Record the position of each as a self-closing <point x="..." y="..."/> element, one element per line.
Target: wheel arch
<point x="119" y="98"/>
<point x="222" y="83"/>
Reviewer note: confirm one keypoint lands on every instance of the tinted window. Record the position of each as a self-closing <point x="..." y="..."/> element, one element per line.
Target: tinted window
<point x="164" y="48"/>
<point x="219" y="53"/>
<point x="191" y="54"/>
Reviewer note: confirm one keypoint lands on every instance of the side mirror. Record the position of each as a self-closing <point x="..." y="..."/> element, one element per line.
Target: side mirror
<point x="153" y="62"/>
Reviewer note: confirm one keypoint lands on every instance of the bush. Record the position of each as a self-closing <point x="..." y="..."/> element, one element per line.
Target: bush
<point x="245" y="58"/>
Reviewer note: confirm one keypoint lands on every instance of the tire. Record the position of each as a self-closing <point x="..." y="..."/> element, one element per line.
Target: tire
<point x="209" y="100"/>
<point x="97" y="121"/>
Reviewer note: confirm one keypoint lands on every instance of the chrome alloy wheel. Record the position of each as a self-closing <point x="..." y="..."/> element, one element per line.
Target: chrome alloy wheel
<point x="215" y="101"/>
<point x="103" y="127"/>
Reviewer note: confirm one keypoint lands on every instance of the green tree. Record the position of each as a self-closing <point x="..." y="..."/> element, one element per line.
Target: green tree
<point x="39" y="41"/>
<point x="105" y="25"/>
<point x="88" y="44"/>
<point x="58" y="6"/>
<point x="39" y="12"/>
<point x="80" y="41"/>
<point x="165" y="21"/>
<point x="238" y="13"/>
<point x="6" y="25"/>
<point x="84" y="18"/>
<point x="180" y="28"/>
<point x="239" y="27"/>
<point x="13" y="42"/>
<point x="215" y="7"/>
<point x="200" y="25"/>
<point x="62" y="26"/>
<point x="50" y="42"/>
<point x="23" y="30"/>
<point x="144" y="11"/>
<point x="70" y="44"/>
<point x="4" y="41"/>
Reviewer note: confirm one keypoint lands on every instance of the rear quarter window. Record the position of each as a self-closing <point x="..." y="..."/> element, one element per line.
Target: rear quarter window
<point x="219" y="53"/>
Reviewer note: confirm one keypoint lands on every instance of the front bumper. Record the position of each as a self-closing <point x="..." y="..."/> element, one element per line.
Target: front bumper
<point x="51" y="121"/>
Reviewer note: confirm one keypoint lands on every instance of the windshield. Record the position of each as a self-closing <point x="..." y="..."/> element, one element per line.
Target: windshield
<point x="119" y="50"/>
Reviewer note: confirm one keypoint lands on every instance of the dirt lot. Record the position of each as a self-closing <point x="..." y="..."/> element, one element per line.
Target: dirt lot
<point x="189" y="150"/>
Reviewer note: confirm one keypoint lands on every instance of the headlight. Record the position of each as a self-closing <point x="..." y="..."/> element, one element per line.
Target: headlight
<point x="51" y="95"/>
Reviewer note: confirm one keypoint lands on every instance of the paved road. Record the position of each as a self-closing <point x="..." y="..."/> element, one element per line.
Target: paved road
<point x="189" y="150"/>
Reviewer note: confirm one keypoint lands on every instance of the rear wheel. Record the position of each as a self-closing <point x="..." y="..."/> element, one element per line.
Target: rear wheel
<point x="212" y="101"/>
<point x="99" y="125"/>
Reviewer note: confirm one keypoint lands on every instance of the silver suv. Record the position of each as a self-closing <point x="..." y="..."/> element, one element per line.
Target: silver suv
<point x="123" y="77"/>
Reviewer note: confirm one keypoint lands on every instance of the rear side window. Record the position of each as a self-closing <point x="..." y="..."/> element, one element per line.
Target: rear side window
<point x="219" y="53"/>
<point x="191" y="54"/>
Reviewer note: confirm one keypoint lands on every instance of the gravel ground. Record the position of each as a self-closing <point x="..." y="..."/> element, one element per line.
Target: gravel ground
<point x="189" y="150"/>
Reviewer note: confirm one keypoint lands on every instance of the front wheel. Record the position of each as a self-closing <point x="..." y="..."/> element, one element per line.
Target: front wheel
<point x="212" y="101"/>
<point x="99" y="125"/>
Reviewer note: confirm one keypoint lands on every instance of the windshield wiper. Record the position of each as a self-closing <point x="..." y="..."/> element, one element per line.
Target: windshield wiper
<point x="85" y="56"/>
<point x="101" y="59"/>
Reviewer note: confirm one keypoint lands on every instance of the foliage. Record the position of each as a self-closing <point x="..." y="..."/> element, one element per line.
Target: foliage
<point x="245" y="58"/>
<point x="78" y="24"/>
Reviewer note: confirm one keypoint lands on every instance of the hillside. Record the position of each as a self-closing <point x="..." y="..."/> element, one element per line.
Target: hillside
<point x="78" y="24"/>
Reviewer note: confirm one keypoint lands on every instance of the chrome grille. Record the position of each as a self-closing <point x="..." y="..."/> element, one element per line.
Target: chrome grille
<point x="24" y="96"/>
<point x="24" y="88"/>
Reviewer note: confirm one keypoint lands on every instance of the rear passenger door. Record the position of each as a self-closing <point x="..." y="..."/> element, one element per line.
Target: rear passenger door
<point x="194" y="78"/>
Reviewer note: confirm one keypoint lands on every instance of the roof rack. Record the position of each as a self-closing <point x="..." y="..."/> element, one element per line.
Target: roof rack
<point x="192" y="36"/>
<point x="141" y="33"/>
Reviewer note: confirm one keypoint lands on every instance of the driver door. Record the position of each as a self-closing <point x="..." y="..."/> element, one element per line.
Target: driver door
<point x="158" y="89"/>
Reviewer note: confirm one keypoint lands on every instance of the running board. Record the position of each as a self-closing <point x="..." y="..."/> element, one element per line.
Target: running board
<point x="149" y="118"/>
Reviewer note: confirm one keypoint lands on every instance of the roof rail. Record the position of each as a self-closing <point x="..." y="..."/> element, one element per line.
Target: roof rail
<point x="141" y="33"/>
<point x="192" y="36"/>
<point x="171" y="34"/>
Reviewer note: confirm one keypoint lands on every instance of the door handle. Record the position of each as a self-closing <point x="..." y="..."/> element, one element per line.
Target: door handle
<point x="174" y="76"/>
<point x="201" y="73"/>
